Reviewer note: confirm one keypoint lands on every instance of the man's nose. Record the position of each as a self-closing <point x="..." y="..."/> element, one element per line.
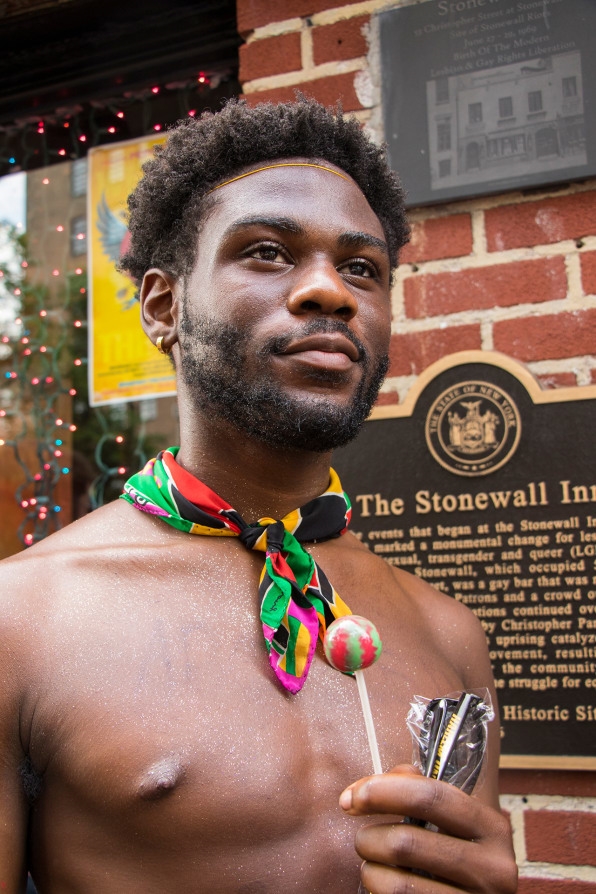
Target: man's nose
<point x="322" y="289"/>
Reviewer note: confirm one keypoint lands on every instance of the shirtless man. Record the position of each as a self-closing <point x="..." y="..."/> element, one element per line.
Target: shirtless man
<point x="147" y="745"/>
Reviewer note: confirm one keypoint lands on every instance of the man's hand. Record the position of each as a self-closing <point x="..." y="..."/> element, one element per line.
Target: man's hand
<point x="473" y="851"/>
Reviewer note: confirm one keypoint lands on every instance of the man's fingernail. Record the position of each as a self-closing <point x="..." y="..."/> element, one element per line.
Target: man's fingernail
<point x="345" y="799"/>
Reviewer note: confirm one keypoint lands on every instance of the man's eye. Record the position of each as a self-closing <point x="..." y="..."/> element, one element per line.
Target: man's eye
<point x="360" y="268"/>
<point x="266" y="253"/>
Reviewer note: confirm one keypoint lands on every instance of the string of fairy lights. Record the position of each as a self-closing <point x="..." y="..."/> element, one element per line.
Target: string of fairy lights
<point x="35" y="384"/>
<point x="45" y="419"/>
<point x="68" y="132"/>
<point x="43" y="391"/>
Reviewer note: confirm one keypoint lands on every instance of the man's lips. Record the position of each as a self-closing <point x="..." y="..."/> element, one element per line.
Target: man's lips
<point x="324" y="348"/>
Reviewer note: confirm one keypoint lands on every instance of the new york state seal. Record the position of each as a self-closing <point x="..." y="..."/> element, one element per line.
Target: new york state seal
<point x="473" y="428"/>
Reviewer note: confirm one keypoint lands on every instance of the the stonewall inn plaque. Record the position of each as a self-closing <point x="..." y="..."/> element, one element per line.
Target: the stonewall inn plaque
<point x="484" y="485"/>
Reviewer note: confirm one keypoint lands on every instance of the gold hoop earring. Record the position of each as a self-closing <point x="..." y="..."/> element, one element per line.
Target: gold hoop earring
<point x="160" y="347"/>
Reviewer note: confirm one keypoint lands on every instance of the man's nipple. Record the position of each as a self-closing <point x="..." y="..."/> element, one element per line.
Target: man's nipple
<point x="161" y="778"/>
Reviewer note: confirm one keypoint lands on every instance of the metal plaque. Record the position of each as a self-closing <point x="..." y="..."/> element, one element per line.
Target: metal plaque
<point x="484" y="486"/>
<point x="483" y="96"/>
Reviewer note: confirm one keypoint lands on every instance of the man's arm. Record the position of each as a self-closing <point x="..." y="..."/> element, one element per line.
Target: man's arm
<point x="474" y="851"/>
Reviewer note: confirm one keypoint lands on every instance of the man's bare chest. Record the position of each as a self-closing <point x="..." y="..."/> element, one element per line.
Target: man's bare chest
<point x="159" y="700"/>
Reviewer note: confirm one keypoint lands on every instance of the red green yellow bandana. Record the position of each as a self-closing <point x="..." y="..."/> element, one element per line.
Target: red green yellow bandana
<point x="297" y="600"/>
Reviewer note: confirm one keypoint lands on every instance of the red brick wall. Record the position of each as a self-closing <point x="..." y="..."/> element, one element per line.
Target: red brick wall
<point x="514" y="273"/>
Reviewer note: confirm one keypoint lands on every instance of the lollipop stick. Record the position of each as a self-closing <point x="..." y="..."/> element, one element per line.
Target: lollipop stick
<point x="368" y="720"/>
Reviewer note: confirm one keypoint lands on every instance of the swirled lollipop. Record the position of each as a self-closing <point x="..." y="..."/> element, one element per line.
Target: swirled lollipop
<point x="351" y="644"/>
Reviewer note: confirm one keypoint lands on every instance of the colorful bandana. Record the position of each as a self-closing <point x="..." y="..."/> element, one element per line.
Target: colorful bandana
<point x="297" y="600"/>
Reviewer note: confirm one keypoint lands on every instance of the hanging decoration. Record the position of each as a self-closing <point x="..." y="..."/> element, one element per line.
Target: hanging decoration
<point x="35" y="392"/>
<point x="45" y="419"/>
<point x="68" y="133"/>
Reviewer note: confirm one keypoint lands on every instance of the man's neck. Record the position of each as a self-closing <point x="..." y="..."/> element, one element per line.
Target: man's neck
<point x="257" y="480"/>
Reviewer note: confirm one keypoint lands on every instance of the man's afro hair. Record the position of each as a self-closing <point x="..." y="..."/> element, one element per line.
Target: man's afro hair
<point x="167" y="206"/>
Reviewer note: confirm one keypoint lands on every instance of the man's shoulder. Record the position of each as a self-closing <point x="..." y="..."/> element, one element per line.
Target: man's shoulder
<point x="406" y="585"/>
<point x="441" y="621"/>
<point x="46" y="565"/>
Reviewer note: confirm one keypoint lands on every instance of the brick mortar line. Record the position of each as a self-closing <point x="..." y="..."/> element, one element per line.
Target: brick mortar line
<point x="401" y="384"/>
<point x="574" y="278"/>
<point x="539" y="368"/>
<point x="486" y="335"/>
<point x="518" y="833"/>
<point x="398" y="304"/>
<point x="361" y="115"/>
<point x="591" y="361"/>
<point x="502" y="199"/>
<point x="571" y="872"/>
<point x="274" y="29"/>
<point x="581" y="367"/>
<point x="390" y="383"/>
<point x="301" y="75"/>
<point x="366" y="7"/>
<point x="307" y="50"/>
<point x="476" y="261"/>
<point x="565" y="803"/>
<point x="479" y="244"/>
<point x="495" y="314"/>
<point x="325" y="17"/>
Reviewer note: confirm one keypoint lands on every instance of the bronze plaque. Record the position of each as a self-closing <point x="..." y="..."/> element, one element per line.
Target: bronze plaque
<point x="483" y="96"/>
<point x="484" y="485"/>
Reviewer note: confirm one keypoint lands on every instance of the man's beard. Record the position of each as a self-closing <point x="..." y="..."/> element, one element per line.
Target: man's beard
<point x="214" y="368"/>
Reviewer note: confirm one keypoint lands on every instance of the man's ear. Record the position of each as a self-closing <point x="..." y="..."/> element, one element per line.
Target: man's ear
<point x="158" y="297"/>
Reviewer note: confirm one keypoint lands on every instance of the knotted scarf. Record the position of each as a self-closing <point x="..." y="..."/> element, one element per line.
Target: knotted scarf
<point x="297" y="602"/>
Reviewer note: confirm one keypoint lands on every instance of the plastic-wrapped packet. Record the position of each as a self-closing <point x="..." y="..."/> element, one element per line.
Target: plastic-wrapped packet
<point x="449" y="736"/>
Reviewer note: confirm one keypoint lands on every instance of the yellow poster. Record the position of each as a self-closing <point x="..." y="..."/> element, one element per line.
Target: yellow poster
<point x="123" y="364"/>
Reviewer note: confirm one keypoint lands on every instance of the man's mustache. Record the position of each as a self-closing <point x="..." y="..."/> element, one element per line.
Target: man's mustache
<point x="279" y="343"/>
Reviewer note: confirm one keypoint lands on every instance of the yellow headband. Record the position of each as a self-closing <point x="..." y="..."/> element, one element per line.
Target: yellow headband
<point x="285" y="164"/>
